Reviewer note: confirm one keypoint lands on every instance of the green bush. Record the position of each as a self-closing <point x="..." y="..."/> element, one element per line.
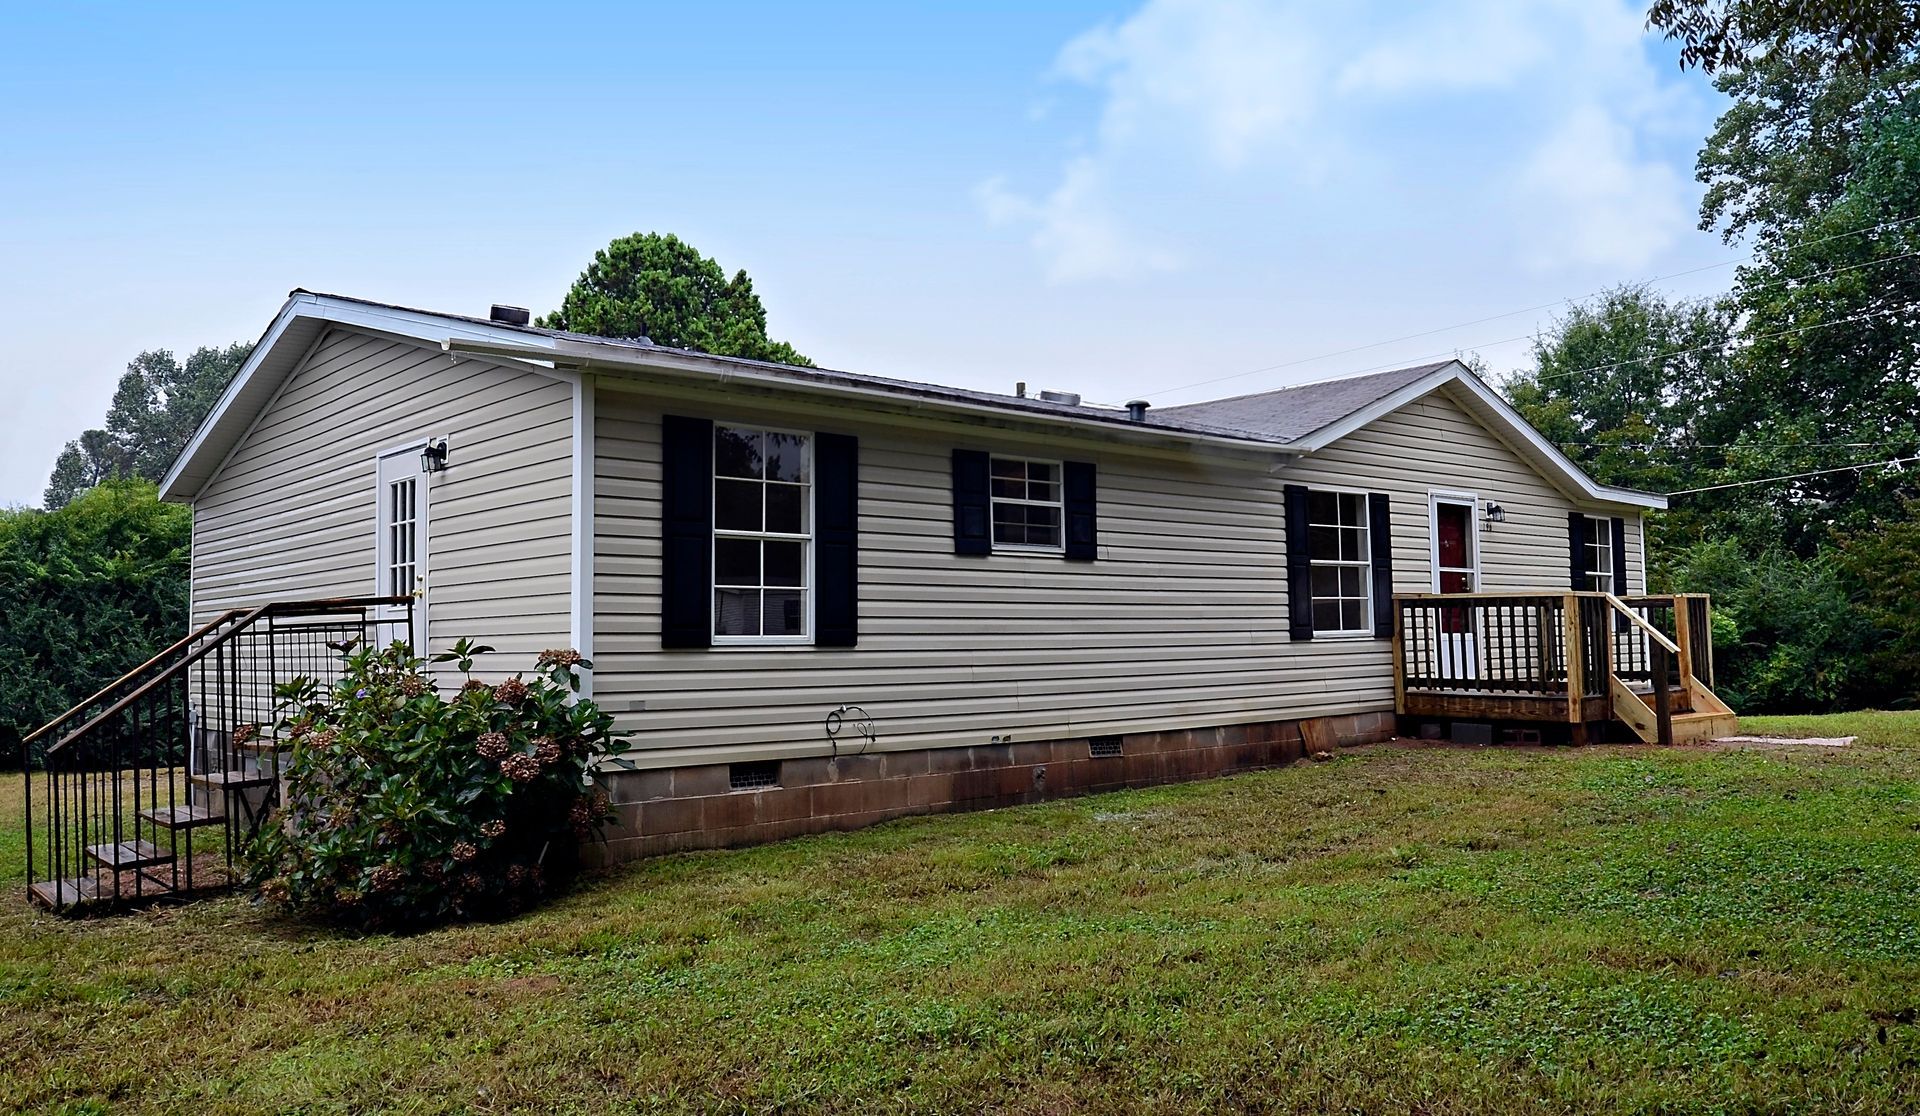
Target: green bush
<point x="404" y="810"/>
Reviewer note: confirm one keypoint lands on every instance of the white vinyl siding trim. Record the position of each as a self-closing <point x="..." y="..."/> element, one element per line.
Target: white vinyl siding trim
<point x="293" y="513"/>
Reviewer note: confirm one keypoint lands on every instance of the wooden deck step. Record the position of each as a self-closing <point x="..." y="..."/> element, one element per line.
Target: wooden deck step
<point x="183" y="817"/>
<point x="232" y="780"/>
<point x="261" y="745"/>
<point x="54" y="894"/>
<point x="130" y="854"/>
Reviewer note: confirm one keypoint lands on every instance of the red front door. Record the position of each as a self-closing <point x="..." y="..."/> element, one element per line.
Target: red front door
<point x="1456" y="568"/>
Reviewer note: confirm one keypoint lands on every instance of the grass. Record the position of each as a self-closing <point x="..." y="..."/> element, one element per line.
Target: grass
<point x="1442" y="931"/>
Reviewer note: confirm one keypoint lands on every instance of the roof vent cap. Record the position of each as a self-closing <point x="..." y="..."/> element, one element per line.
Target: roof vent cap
<point x="510" y="315"/>
<point x="1070" y="398"/>
<point x="1137" y="410"/>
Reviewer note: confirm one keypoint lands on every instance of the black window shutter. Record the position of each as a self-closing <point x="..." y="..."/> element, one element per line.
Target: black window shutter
<point x="1082" y="511"/>
<point x="836" y="561"/>
<point x="1577" y="549"/>
<point x="1620" y="556"/>
<point x="686" y="545"/>
<point x="1380" y="539"/>
<point x="1299" y="566"/>
<point x="972" y="512"/>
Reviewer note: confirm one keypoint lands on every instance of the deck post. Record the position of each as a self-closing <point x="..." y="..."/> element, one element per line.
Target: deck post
<point x="1662" y="697"/>
<point x="1682" y="635"/>
<point x="1399" y="659"/>
<point x="1576" y="666"/>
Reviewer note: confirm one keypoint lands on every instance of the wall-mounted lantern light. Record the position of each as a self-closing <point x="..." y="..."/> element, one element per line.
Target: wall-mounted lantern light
<point x="433" y="456"/>
<point x="1495" y="513"/>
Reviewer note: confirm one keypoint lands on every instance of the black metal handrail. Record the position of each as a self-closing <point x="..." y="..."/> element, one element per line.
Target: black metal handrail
<point x="184" y="742"/>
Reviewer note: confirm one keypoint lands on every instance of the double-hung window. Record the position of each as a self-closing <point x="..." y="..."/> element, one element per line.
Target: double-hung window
<point x="1027" y="506"/>
<point x="1600" y="572"/>
<point x="762" y="535"/>
<point x="1339" y="553"/>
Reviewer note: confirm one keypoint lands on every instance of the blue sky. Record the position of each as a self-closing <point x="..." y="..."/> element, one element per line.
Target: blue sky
<point x="1118" y="198"/>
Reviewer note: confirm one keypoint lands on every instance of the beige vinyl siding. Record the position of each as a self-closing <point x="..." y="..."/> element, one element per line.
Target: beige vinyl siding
<point x="291" y="515"/>
<point x="1433" y="444"/>
<point x="1181" y="622"/>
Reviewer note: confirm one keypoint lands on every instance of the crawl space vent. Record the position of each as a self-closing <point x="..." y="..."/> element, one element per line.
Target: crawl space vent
<point x="1104" y="747"/>
<point x="751" y="776"/>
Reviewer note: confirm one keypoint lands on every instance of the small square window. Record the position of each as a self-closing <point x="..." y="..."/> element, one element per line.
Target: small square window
<point x="1027" y="508"/>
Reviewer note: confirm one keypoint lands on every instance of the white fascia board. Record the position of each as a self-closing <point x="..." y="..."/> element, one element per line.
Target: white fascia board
<point x="1511" y="421"/>
<point x="573" y="354"/>
<point x="429" y="328"/>
<point x="266" y="344"/>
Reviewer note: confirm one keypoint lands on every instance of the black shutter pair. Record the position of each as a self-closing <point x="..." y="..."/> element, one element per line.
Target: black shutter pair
<point x="973" y="506"/>
<point x="686" y="600"/>
<point x="1300" y="563"/>
<point x="1577" y="542"/>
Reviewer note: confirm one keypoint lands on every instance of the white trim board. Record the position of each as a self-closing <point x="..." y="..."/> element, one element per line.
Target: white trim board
<point x="581" y="601"/>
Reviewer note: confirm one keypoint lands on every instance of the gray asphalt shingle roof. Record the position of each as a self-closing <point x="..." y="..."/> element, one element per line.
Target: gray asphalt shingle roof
<point x="1290" y="413"/>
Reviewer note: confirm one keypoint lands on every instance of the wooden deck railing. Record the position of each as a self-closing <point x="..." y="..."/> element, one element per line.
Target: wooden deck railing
<point x="1572" y="658"/>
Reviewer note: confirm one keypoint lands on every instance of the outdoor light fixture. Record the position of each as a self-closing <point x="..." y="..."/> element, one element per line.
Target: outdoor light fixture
<point x="433" y="456"/>
<point x="1495" y="513"/>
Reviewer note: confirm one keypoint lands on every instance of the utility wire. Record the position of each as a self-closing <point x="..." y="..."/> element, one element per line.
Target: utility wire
<point x="1905" y="308"/>
<point x="1858" y="467"/>
<point x="1560" y="302"/>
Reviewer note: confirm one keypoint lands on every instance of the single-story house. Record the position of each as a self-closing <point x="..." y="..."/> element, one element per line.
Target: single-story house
<point x="818" y="599"/>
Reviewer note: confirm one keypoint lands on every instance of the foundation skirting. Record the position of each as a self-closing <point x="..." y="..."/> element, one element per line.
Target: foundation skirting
<point x="672" y="809"/>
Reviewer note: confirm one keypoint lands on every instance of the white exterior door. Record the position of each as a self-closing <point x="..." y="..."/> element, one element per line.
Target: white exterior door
<point x="1456" y="569"/>
<point x="400" y="568"/>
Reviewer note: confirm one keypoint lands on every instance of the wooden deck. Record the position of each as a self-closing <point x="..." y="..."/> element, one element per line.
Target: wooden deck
<point x="1578" y="662"/>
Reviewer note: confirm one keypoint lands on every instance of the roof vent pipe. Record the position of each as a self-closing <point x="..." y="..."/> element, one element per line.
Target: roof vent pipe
<point x="510" y="315"/>
<point x="1136" y="410"/>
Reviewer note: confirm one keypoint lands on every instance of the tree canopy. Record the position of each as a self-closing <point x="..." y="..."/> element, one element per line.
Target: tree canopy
<point x="158" y="405"/>
<point x="1723" y="34"/>
<point x="92" y="588"/>
<point x="660" y="287"/>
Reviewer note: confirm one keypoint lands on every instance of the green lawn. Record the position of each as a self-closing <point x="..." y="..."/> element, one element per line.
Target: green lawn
<point x="1397" y="930"/>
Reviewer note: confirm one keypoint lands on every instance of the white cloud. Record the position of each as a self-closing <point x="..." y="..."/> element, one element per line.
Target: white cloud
<point x="1076" y="233"/>
<point x="1595" y="200"/>
<point x="1549" y="106"/>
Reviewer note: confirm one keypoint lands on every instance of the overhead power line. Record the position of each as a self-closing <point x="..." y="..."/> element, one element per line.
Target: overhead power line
<point x="1857" y="467"/>
<point x="1905" y="308"/>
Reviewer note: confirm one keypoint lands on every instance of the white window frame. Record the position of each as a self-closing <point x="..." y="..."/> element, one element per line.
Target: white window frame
<point x="1060" y="505"/>
<point x="808" y="589"/>
<point x="1471" y="501"/>
<point x="383" y="537"/>
<point x="1597" y="525"/>
<point x="1365" y="564"/>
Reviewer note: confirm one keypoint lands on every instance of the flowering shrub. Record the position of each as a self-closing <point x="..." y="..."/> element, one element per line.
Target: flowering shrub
<point x="403" y="809"/>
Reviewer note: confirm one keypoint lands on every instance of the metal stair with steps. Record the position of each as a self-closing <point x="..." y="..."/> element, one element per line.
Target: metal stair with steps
<point x="149" y="789"/>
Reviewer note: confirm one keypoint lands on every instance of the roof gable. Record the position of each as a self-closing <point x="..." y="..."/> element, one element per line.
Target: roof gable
<point x="1309" y="417"/>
